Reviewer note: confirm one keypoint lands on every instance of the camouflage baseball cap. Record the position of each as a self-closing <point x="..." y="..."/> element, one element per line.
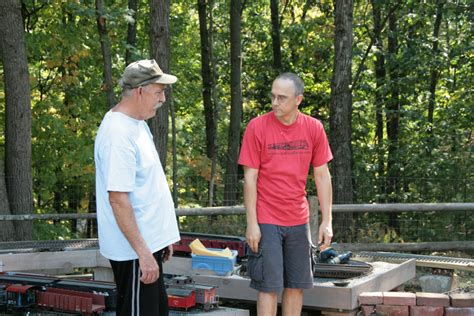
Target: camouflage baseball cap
<point x="143" y="72"/>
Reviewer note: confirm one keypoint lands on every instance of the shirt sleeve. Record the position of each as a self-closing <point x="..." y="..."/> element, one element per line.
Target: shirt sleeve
<point x="321" y="151"/>
<point x="251" y="148"/>
<point x="119" y="164"/>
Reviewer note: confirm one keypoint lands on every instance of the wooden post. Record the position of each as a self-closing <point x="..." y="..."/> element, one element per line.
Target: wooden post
<point x="103" y="274"/>
<point x="313" y="218"/>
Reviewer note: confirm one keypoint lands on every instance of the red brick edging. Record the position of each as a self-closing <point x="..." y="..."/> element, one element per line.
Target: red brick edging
<point x="416" y="304"/>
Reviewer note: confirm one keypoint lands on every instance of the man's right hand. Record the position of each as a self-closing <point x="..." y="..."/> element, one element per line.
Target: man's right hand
<point x="253" y="236"/>
<point x="149" y="268"/>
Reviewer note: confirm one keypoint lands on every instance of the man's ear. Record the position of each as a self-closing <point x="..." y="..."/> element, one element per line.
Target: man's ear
<point x="299" y="99"/>
<point x="137" y="91"/>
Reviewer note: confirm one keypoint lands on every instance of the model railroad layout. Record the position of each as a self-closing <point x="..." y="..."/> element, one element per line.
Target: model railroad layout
<point x="24" y="292"/>
<point x="21" y="291"/>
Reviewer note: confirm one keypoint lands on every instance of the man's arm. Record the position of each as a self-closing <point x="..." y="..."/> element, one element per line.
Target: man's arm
<point x="127" y="223"/>
<point x="253" y="234"/>
<point x="322" y="177"/>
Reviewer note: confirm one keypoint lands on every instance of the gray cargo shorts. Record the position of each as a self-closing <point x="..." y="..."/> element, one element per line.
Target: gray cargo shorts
<point x="283" y="259"/>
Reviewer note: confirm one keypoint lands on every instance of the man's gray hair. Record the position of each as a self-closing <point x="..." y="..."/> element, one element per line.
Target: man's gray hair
<point x="298" y="84"/>
<point x="126" y="92"/>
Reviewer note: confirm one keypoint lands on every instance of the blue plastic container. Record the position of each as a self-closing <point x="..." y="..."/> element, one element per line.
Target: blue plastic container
<point x="219" y="265"/>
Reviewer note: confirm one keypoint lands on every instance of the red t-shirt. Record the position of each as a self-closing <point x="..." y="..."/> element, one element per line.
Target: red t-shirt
<point x="283" y="155"/>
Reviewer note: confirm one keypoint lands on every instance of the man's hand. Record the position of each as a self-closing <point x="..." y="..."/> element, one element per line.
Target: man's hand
<point x="322" y="178"/>
<point x="149" y="268"/>
<point x="325" y="233"/>
<point x="167" y="253"/>
<point x="253" y="236"/>
<point x="125" y="218"/>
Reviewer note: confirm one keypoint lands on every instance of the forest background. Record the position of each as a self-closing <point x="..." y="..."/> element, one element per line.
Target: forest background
<point x="390" y="80"/>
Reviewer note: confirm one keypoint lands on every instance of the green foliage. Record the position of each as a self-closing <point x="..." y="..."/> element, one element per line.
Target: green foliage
<point x="67" y="104"/>
<point x="433" y="161"/>
<point x="413" y="227"/>
<point x="222" y="224"/>
<point x="48" y="230"/>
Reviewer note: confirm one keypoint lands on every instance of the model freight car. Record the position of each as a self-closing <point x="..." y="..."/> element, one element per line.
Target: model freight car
<point x="21" y="296"/>
<point x="181" y="298"/>
<point x="182" y="290"/>
<point x="212" y="241"/>
<point x="206" y="296"/>
<point x="26" y="292"/>
<point x="70" y="301"/>
<point x="107" y="289"/>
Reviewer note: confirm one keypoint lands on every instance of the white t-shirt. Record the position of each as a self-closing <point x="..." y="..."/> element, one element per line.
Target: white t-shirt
<point x="126" y="161"/>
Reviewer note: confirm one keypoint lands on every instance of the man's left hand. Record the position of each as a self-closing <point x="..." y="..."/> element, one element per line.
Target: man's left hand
<point x="167" y="253"/>
<point x="325" y="233"/>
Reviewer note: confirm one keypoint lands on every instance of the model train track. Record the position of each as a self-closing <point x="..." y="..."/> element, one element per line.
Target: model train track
<point x="45" y="280"/>
<point x="181" y="247"/>
<point x="47" y="245"/>
<point x="421" y="260"/>
<point x="350" y="270"/>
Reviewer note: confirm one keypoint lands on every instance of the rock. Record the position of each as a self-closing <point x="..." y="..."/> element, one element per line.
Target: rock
<point x="435" y="283"/>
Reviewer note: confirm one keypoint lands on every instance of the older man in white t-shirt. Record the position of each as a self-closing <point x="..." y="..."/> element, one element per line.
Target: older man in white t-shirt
<point x="135" y="210"/>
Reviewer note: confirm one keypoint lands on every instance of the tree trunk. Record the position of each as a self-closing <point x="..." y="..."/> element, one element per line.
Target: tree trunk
<point x="276" y="44"/>
<point x="393" y="121"/>
<point x="215" y="102"/>
<point x="434" y="67"/>
<point x="73" y="204"/>
<point x="341" y="112"/>
<point x="73" y="194"/>
<point x="341" y="104"/>
<point x="131" y="32"/>
<point x="207" y="80"/>
<point x="18" y="172"/>
<point x="393" y="112"/>
<point x="160" y="51"/>
<point x="230" y="191"/>
<point x="379" y="94"/>
<point x="207" y="83"/>
<point x="92" y="223"/>
<point x="174" y="176"/>
<point x="373" y="40"/>
<point x="7" y="232"/>
<point x="108" y="86"/>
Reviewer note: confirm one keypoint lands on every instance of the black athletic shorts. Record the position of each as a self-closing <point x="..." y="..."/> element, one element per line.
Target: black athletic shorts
<point x="135" y="298"/>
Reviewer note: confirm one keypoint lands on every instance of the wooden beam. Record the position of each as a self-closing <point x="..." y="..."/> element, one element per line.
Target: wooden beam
<point x="240" y="210"/>
<point x="409" y="246"/>
<point x="58" y="260"/>
<point x="403" y="207"/>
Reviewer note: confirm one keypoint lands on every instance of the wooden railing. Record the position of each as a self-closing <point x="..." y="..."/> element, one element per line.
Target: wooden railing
<point x="314" y="220"/>
<point x="239" y="210"/>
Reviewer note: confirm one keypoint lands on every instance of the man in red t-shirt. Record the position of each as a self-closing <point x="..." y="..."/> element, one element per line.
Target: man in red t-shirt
<point x="277" y="151"/>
